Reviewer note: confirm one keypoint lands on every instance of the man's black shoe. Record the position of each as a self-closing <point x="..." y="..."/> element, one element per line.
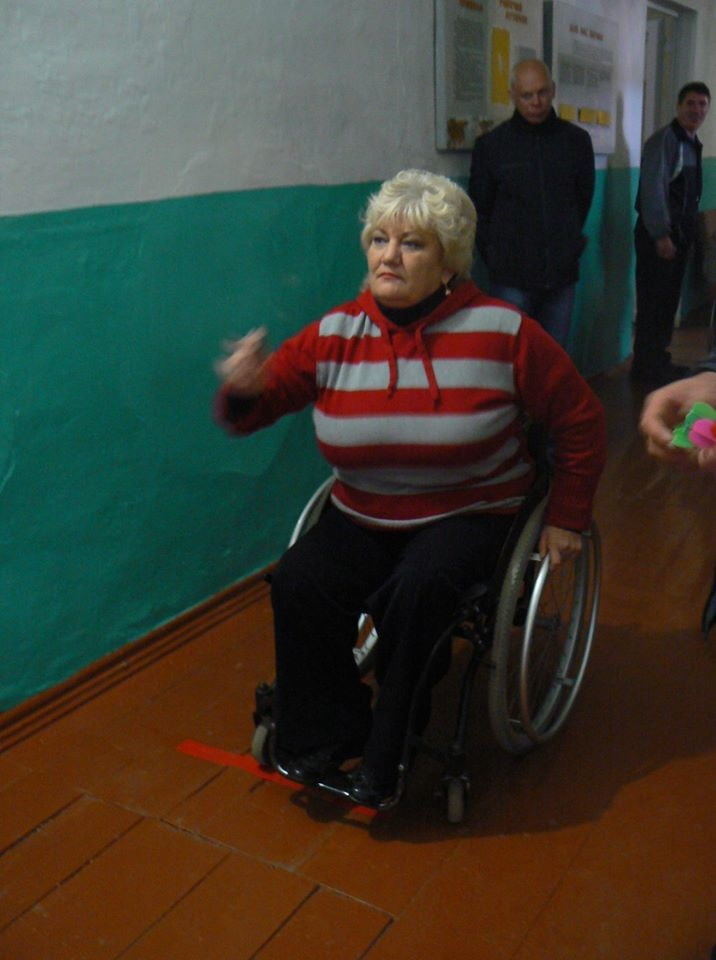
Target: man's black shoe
<point x="659" y="376"/>
<point x="674" y="371"/>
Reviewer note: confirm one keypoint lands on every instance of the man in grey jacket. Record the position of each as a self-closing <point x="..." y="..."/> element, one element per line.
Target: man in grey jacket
<point x="667" y="204"/>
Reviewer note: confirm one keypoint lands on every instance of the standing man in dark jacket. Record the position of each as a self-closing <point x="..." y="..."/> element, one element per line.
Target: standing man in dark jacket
<point x="532" y="181"/>
<point x="667" y="204"/>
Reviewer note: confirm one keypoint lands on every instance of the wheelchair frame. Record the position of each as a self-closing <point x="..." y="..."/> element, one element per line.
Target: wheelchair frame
<point x="532" y="626"/>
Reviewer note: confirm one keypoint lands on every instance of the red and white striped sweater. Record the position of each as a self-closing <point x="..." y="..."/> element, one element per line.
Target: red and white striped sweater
<point x="423" y="421"/>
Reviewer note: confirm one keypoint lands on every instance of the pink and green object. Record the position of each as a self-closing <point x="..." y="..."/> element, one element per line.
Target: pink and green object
<point x="698" y="429"/>
<point x="703" y="433"/>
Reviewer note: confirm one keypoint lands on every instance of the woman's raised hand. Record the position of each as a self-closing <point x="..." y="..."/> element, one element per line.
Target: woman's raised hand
<point x="244" y="367"/>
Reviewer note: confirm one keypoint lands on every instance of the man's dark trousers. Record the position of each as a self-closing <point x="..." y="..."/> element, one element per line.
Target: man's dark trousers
<point x="658" y="291"/>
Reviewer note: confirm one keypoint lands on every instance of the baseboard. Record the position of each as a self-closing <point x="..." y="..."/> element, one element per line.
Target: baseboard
<point x="45" y="708"/>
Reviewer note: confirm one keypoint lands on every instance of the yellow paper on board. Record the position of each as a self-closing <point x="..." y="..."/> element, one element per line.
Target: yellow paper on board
<point x="567" y="111"/>
<point x="587" y="115"/>
<point x="500" y="65"/>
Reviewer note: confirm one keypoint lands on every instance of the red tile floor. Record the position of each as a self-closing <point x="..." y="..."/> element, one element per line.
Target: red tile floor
<point x="600" y="845"/>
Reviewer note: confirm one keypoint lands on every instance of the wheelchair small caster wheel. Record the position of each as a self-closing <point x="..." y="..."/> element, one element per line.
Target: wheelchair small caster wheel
<point x="262" y="744"/>
<point x="455" y="795"/>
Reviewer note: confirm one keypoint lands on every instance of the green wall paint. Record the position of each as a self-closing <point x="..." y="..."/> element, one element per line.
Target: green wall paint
<point x="708" y="198"/>
<point x="123" y="505"/>
<point x="601" y="331"/>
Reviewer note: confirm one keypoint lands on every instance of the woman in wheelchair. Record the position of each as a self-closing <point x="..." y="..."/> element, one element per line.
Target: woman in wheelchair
<point x="419" y="388"/>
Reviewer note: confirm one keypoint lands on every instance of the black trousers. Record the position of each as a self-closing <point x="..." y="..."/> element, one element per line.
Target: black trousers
<point x="658" y="290"/>
<point x="409" y="582"/>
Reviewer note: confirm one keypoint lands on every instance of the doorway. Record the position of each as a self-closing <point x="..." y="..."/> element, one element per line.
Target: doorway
<point x="668" y="59"/>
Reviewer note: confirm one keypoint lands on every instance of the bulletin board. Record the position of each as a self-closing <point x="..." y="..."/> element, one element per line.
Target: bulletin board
<point x="581" y="49"/>
<point x="477" y="42"/>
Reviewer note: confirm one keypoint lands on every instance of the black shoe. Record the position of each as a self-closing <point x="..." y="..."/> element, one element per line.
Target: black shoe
<point x="675" y="371"/>
<point x="648" y="378"/>
<point x="659" y="376"/>
<point x="361" y="786"/>
<point x="310" y="767"/>
<point x="367" y="789"/>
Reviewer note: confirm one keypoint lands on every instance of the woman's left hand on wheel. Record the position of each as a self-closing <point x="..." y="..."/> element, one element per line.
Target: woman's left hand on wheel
<point x="560" y="544"/>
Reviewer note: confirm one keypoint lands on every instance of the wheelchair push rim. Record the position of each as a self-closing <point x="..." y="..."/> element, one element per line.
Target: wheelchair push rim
<point x="542" y="640"/>
<point x="549" y="614"/>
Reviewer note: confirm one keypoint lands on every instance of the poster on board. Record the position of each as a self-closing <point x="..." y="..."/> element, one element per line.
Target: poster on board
<point x="477" y="42"/>
<point x="581" y="49"/>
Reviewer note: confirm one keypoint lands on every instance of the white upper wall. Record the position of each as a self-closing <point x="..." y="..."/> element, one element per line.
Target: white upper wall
<point x="109" y="101"/>
<point x="630" y="16"/>
<point x="113" y="101"/>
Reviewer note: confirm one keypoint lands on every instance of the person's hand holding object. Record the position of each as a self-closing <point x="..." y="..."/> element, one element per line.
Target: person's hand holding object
<point x="664" y="413"/>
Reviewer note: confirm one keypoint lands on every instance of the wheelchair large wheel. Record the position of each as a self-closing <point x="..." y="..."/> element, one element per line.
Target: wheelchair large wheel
<point x="312" y="511"/>
<point x="544" y="627"/>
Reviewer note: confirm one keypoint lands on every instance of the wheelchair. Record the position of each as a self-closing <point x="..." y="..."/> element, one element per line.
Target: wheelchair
<point x="531" y="626"/>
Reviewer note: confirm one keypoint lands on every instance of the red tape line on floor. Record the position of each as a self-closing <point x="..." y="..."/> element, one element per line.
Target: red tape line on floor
<point x="244" y="761"/>
<point x="224" y="758"/>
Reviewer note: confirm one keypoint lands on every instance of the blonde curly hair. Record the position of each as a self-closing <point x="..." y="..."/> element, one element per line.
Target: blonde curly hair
<point x="430" y="203"/>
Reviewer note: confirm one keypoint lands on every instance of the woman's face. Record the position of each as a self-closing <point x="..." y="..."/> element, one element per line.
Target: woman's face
<point x="404" y="265"/>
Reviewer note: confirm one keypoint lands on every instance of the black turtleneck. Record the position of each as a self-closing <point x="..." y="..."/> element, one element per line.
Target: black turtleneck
<point x="402" y="316"/>
<point x="542" y="129"/>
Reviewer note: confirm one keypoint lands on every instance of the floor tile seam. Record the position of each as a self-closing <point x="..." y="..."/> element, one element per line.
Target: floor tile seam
<point x="286" y="920"/>
<point x="289" y="866"/>
<point x="376" y="939"/>
<point x="74" y="873"/>
<point x="37" y="826"/>
<point x="203" y="837"/>
<point x="166" y="689"/>
<point x="155" y="816"/>
<point x="212" y="776"/>
<point x="426" y="880"/>
<point x="312" y="849"/>
<point x="556" y="887"/>
<point x="392" y="917"/>
<point x="319" y="887"/>
<point x="165" y="913"/>
<point x="284" y="865"/>
<point x="361" y="901"/>
<point x="164" y="818"/>
<point x="24" y="771"/>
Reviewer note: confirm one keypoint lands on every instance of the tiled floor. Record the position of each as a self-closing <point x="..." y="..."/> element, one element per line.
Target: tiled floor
<point x="598" y="846"/>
